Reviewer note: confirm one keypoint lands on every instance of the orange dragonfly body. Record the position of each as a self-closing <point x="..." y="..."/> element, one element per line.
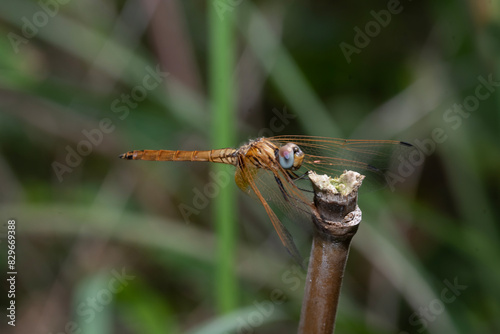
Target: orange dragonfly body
<point x="272" y="168"/>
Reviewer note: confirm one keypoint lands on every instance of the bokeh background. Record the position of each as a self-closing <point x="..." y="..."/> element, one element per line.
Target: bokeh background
<point x="105" y="245"/>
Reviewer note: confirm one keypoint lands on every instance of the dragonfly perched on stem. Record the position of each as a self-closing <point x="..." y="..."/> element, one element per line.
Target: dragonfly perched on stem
<point x="275" y="169"/>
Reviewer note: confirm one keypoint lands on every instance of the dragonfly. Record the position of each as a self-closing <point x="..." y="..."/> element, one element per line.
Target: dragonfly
<point x="274" y="169"/>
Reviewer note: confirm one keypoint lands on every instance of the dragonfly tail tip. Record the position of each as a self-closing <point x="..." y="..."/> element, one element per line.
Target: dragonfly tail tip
<point x="405" y="144"/>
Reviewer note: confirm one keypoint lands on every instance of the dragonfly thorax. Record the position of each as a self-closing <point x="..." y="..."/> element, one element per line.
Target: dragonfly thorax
<point x="262" y="153"/>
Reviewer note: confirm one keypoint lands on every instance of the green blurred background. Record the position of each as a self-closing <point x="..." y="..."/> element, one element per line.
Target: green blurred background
<point x="112" y="246"/>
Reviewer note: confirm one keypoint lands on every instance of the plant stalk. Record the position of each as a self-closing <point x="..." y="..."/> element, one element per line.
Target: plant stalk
<point x="335" y="223"/>
<point x="222" y="102"/>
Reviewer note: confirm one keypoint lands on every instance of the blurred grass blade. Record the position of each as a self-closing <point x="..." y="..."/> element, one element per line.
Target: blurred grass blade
<point x="286" y="75"/>
<point x="223" y="134"/>
<point x="93" y="311"/>
<point x="240" y="321"/>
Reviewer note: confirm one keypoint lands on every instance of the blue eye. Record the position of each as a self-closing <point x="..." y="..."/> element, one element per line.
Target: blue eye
<point x="286" y="158"/>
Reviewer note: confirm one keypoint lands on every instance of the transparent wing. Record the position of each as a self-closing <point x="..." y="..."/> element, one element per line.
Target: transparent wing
<point x="275" y="191"/>
<point x="280" y="190"/>
<point x="378" y="160"/>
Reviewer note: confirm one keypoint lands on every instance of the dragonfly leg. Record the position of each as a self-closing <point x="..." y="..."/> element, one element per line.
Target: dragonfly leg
<point x="289" y="197"/>
<point x="296" y="177"/>
<point x="282" y="189"/>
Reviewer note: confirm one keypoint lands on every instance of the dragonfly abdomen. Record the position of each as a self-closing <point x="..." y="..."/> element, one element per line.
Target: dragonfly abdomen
<point x="226" y="155"/>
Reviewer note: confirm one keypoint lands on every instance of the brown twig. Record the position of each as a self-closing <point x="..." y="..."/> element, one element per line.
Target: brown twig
<point x="335" y="223"/>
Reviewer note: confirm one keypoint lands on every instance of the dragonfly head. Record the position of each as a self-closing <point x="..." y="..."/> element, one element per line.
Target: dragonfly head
<point x="290" y="156"/>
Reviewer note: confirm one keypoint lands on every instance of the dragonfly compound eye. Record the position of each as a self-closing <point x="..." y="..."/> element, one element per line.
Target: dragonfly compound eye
<point x="286" y="157"/>
<point x="290" y="156"/>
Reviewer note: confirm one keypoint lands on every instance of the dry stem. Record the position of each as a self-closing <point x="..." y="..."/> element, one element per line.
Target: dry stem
<point x="335" y="223"/>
